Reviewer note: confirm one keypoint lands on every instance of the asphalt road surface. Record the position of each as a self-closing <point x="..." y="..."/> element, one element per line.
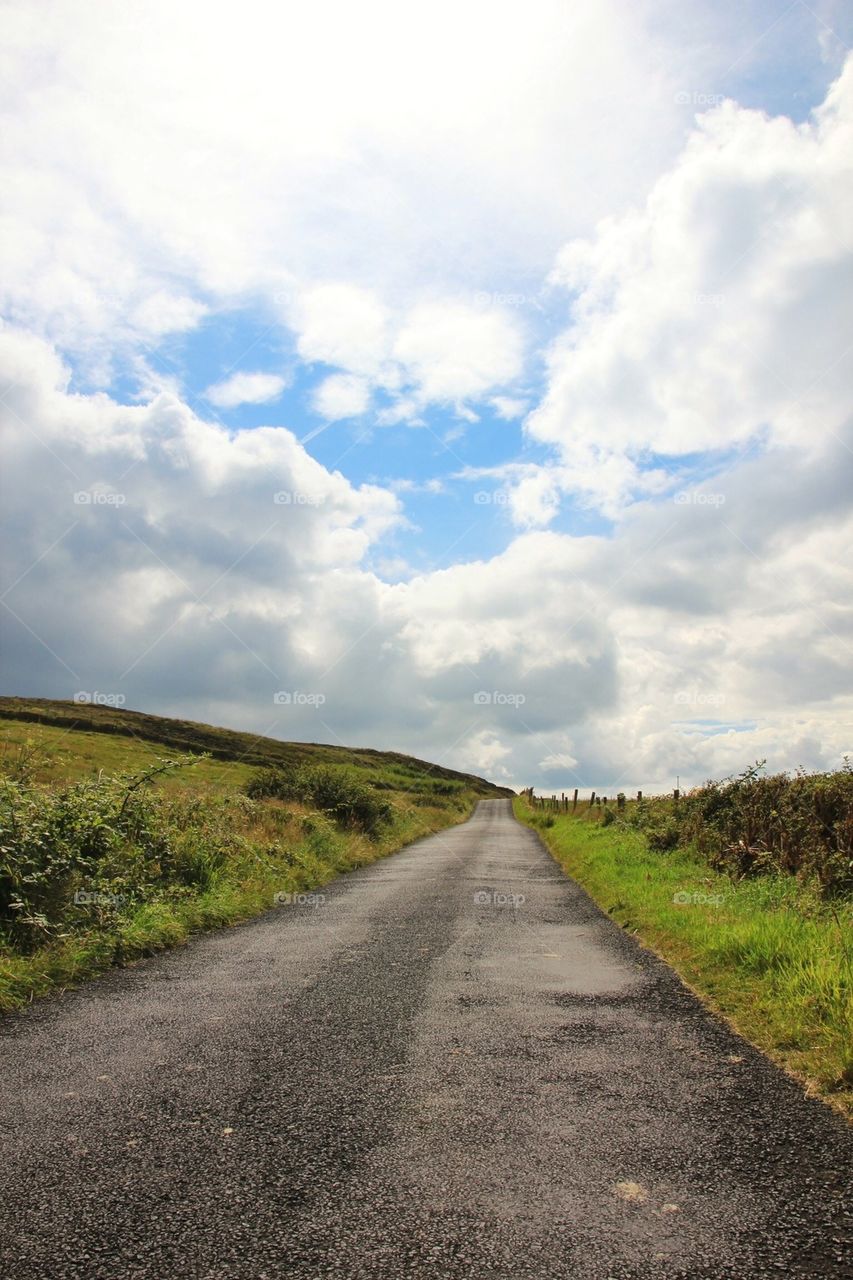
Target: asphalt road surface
<point x="451" y="1065"/>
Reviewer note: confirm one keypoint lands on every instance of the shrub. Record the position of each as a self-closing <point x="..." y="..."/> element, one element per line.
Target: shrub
<point x="345" y="798"/>
<point x="272" y="783"/>
<point x="543" y="819"/>
<point x="750" y="824"/>
<point x="105" y="837"/>
<point x="663" y="837"/>
<point x="336" y="791"/>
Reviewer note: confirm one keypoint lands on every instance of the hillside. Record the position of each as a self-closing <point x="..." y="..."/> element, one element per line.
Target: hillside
<point x="386" y="769"/>
<point x="122" y="832"/>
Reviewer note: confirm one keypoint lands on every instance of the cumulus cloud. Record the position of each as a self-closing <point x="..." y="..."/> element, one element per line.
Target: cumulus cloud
<point x="341" y="395"/>
<point x="453" y="352"/>
<point x="198" y="571"/>
<point x="342" y="324"/>
<point x="140" y="197"/>
<point x="246" y="388"/>
<point x="721" y="311"/>
<point x="699" y="397"/>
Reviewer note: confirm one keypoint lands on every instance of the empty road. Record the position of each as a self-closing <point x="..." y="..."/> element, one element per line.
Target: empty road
<point x="450" y="1064"/>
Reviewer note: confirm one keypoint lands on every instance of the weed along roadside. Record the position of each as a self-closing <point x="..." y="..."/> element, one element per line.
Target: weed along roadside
<point x="102" y="866"/>
<point x="745" y="889"/>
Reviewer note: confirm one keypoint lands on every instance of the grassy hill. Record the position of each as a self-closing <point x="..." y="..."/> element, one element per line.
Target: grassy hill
<point x="73" y="750"/>
<point x="122" y="832"/>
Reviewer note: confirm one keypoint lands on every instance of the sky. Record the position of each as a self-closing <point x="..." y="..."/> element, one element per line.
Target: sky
<point x="465" y="380"/>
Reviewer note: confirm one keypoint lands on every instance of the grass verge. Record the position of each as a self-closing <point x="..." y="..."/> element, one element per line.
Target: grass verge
<point x="100" y="866"/>
<point x="767" y="953"/>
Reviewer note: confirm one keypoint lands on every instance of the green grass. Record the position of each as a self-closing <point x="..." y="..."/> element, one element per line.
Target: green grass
<point x="136" y="731"/>
<point x="192" y="852"/>
<point x="243" y="888"/>
<point x="768" y="952"/>
<point x="74" y="755"/>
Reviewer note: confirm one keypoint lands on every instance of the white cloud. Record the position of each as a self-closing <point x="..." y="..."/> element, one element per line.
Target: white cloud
<point x="140" y="199"/>
<point x="455" y="352"/>
<point x="561" y="760"/>
<point x="341" y="395"/>
<point x="341" y="324"/>
<point x="138" y="194"/>
<point x="246" y="388"/>
<point x="200" y="595"/>
<point x="721" y="311"/>
<point x="509" y="407"/>
<point x="535" y="499"/>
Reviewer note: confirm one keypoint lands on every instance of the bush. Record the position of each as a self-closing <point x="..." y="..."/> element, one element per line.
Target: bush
<point x="105" y="839"/>
<point x="336" y="791"/>
<point x="750" y="824"/>
<point x="271" y="783"/>
<point x="543" y="820"/>
<point x="663" y="837"/>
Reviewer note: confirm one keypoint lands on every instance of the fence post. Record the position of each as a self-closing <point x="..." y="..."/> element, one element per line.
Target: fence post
<point x="620" y="800"/>
<point x="575" y="800"/>
<point x="639" y="795"/>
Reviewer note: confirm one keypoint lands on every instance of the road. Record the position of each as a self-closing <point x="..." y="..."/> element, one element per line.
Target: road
<point x="451" y="1065"/>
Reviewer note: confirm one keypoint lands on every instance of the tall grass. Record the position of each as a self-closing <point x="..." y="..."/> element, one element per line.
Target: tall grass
<point x="771" y="952"/>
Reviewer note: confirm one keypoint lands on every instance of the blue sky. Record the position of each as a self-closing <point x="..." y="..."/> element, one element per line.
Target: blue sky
<point x="541" y="319"/>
